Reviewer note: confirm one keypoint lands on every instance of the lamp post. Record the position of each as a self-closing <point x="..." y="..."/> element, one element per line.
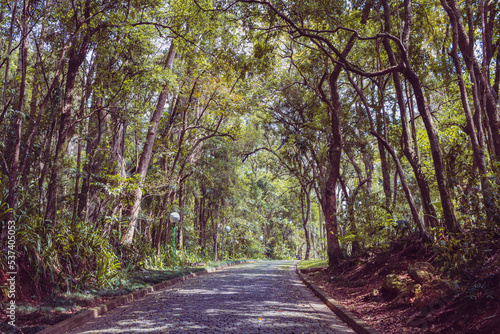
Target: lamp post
<point x="174" y="219"/>
<point x="228" y="229"/>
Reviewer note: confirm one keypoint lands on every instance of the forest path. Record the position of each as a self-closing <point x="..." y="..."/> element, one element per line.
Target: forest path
<point x="259" y="297"/>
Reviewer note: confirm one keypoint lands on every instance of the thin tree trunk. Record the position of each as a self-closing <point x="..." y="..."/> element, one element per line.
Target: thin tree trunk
<point x="386" y="176"/>
<point x="7" y="61"/>
<point x="95" y="131"/>
<point x="305" y="208"/>
<point x="406" y="189"/>
<point x="159" y="232"/>
<point x="132" y="211"/>
<point x="496" y="85"/>
<point x="217" y="234"/>
<point x="450" y="219"/>
<point x="163" y="216"/>
<point x="180" y="230"/>
<point x="486" y="94"/>
<point x="329" y="199"/>
<point x="430" y="216"/>
<point x="77" y="182"/>
<point x="16" y="126"/>
<point x="77" y="55"/>
<point x="477" y="147"/>
<point x="409" y="196"/>
<point x="215" y="228"/>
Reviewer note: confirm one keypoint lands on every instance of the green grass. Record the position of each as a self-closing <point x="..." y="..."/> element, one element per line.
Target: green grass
<point x="307" y="264"/>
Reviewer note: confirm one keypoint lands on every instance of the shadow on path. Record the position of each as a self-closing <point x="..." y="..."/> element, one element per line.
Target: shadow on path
<point x="254" y="298"/>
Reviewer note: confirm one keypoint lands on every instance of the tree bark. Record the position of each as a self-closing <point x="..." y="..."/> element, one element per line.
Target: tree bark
<point x="329" y="202"/>
<point x="216" y="225"/>
<point x="304" y="193"/>
<point x="386" y="175"/>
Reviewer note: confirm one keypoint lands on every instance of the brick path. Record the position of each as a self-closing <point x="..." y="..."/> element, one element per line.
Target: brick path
<point x="260" y="297"/>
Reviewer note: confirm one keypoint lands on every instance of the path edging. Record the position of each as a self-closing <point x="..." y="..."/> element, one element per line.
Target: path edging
<point x="350" y="318"/>
<point x="77" y="320"/>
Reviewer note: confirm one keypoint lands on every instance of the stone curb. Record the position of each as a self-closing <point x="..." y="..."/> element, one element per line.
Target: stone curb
<point x="95" y="312"/>
<point x="350" y="318"/>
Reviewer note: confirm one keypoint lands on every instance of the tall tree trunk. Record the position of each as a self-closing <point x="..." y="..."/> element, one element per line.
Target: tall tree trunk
<point x="406" y="189"/>
<point x="329" y="202"/>
<point x="215" y="227"/>
<point x="386" y="176"/>
<point x="392" y="152"/>
<point x="217" y="231"/>
<point x="16" y="125"/>
<point x="485" y="92"/>
<point x="7" y="62"/>
<point x="450" y="219"/>
<point x="430" y="216"/>
<point x="132" y="210"/>
<point x="159" y="232"/>
<point x="496" y="85"/>
<point x="180" y="230"/>
<point x="477" y="146"/>
<point x="95" y="131"/>
<point x="328" y="195"/>
<point x="77" y="182"/>
<point x="329" y="206"/>
<point x="331" y="176"/>
<point x="44" y="160"/>
<point x="200" y="217"/>
<point x="77" y="55"/>
<point x="306" y="207"/>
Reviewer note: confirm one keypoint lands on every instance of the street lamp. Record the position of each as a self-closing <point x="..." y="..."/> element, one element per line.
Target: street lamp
<point x="228" y="229"/>
<point x="174" y="219"/>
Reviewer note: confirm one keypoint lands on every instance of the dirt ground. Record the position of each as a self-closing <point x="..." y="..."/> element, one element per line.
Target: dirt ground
<point x="357" y="283"/>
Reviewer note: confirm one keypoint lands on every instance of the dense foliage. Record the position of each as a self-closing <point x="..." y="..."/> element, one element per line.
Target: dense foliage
<point x="327" y="128"/>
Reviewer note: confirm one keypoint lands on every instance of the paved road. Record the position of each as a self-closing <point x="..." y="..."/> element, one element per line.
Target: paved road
<point x="260" y="297"/>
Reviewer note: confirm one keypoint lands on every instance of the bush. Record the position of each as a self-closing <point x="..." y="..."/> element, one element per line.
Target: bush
<point x="71" y="256"/>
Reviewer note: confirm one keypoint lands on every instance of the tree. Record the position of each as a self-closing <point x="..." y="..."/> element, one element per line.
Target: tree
<point x="132" y="210"/>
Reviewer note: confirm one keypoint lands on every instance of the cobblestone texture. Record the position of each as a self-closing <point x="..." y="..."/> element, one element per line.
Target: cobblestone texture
<point x="261" y="297"/>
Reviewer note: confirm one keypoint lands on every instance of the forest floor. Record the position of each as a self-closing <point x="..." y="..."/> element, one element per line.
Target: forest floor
<point x="357" y="282"/>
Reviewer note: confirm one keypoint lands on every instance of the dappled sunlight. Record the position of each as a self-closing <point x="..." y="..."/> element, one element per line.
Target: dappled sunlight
<point x="233" y="300"/>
